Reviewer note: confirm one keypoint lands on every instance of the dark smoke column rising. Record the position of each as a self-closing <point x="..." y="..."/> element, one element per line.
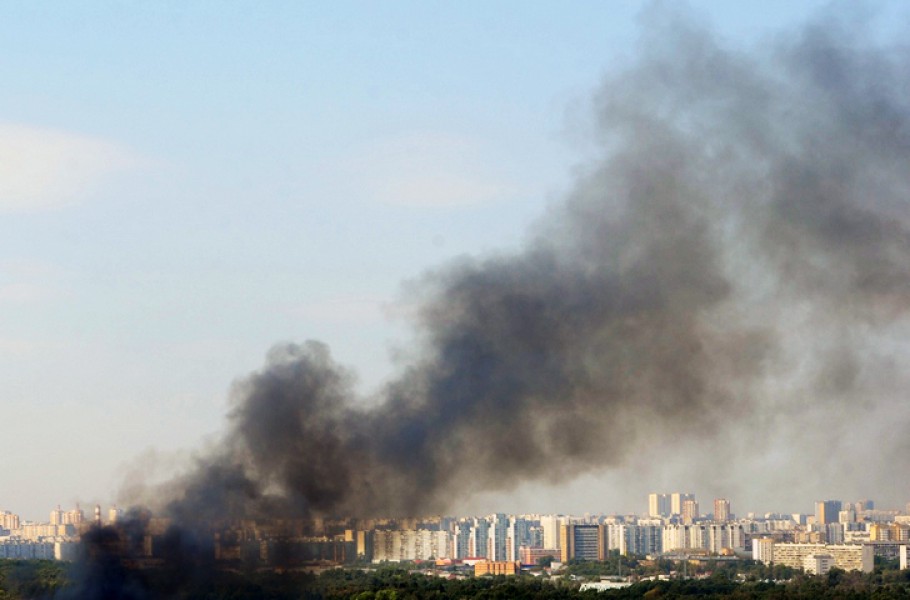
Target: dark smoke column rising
<point x="740" y="245"/>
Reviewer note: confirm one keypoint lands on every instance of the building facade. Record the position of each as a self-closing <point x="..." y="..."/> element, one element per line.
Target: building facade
<point x="849" y="557"/>
<point x="659" y="505"/>
<point x="676" y="501"/>
<point x="827" y="511"/>
<point x="721" y="510"/>
<point x="587" y="542"/>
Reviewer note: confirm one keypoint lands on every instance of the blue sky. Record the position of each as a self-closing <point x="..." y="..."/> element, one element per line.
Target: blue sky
<point x="184" y="184"/>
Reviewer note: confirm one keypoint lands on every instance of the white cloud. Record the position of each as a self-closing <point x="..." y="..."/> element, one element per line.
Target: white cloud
<point x="45" y="168"/>
<point x="427" y="169"/>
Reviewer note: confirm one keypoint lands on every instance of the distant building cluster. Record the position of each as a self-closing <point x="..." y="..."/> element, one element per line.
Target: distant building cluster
<point x="838" y="534"/>
<point x="55" y="539"/>
<point x="843" y="535"/>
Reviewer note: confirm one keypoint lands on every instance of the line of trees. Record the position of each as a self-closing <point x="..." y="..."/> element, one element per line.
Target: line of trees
<point x="22" y="580"/>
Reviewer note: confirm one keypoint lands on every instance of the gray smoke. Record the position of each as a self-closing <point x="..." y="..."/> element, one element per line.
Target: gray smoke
<point x="737" y="259"/>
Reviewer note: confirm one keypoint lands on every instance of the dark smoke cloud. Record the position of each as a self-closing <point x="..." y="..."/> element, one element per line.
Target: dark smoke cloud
<point x="740" y="243"/>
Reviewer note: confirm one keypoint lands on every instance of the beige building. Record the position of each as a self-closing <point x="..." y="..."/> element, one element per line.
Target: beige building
<point x="721" y="510"/>
<point x="550" y="525"/>
<point x="889" y="532"/>
<point x="818" y="564"/>
<point x="689" y="511"/>
<point x="8" y="520"/>
<point x="849" y="557"/>
<point x="408" y="544"/>
<point x="763" y="549"/>
<point x="682" y="537"/>
<point x="496" y="567"/>
<point x="676" y="501"/>
<point x="587" y="542"/>
<point x="40" y="531"/>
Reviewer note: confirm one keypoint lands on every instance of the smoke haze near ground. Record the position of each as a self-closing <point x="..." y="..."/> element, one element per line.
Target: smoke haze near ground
<point x="723" y="295"/>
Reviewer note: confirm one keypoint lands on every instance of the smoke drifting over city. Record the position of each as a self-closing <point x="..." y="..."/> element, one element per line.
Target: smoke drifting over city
<point x="735" y="264"/>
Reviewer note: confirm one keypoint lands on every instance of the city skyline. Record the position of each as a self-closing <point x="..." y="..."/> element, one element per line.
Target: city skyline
<point x="504" y="543"/>
<point x="820" y="511"/>
<point x="561" y="278"/>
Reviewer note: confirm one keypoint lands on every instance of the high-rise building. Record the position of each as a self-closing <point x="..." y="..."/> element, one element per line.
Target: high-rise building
<point x="499" y="538"/>
<point x="8" y="520"/>
<point x="406" y="544"/>
<point x="587" y="542"/>
<point x="535" y="537"/>
<point x="720" y="537"/>
<point x="763" y="549"/>
<point x="659" y="505"/>
<point x="676" y="501"/>
<point x="364" y="540"/>
<point x="74" y="517"/>
<point x="550" y="525"/>
<point x="462" y="539"/>
<point x="827" y="511"/>
<point x="677" y="537"/>
<point x="643" y="537"/>
<point x="834" y="533"/>
<point x="479" y="541"/>
<point x="721" y="510"/>
<point x="689" y="511"/>
<point x="525" y="532"/>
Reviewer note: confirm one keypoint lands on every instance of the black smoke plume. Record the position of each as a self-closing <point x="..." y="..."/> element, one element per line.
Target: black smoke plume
<point x="745" y="231"/>
<point x="734" y="267"/>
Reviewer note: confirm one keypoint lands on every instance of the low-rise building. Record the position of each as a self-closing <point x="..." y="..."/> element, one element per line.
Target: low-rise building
<point x="25" y="549"/>
<point x="497" y="567"/>
<point x="531" y="556"/>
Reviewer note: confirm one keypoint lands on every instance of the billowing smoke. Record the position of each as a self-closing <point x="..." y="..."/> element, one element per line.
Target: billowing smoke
<point x="731" y="273"/>
<point x="727" y="262"/>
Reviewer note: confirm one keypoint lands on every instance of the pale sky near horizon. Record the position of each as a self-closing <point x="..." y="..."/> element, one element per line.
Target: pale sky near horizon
<point x="184" y="184"/>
